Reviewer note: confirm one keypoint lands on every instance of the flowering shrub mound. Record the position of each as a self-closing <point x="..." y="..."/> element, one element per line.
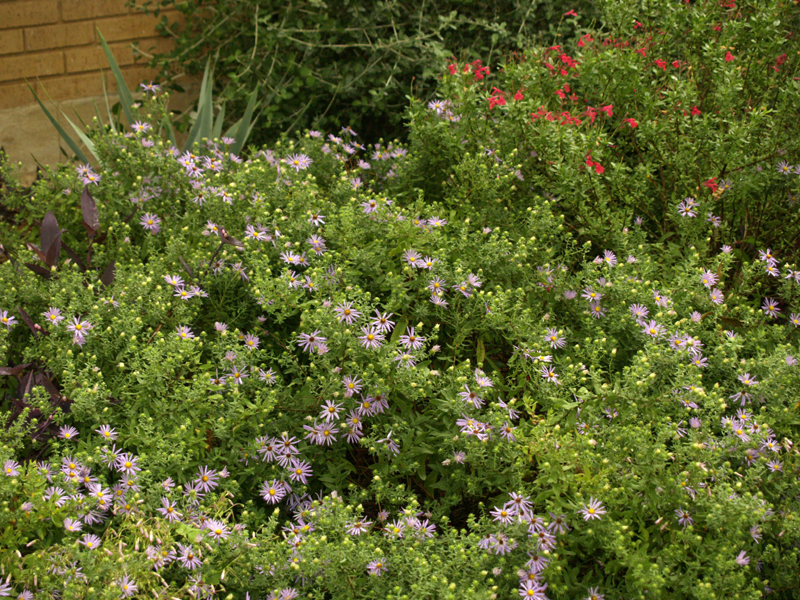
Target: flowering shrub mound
<point x="515" y="359"/>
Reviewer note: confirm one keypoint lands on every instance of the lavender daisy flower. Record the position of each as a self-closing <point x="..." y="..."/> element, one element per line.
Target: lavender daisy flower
<point x="639" y="311"/>
<point x="91" y="541"/>
<point x="684" y="517"/>
<point x="404" y="359"/>
<point x="300" y="471"/>
<point x="595" y="510"/>
<point x="770" y="308"/>
<point x="188" y="557"/>
<point x="412" y="341"/>
<point x="482" y="380"/>
<point x="298" y="162"/>
<point x="272" y="491"/>
<point x="128" y="464"/>
<point x="594" y="594"/>
<point x="207" y="479"/>
<point x="67" y="432"/>
<point x="185" y="333"/>
<point x="554" y="339"/>
<point x="596" y="310"/>
<point x="687" y="208"/>
<point x="377" y="567"/>
<point x="382" y="322"/>
<point x="709" y="279"/>
<point x="169" y="511"/>
<point x="11" y="468"/>
<point x="503" y="515"/>
<point x="609" y="258"/>
<point x="471" y="397"/>
<point x="127" y="586"/>
<point x="653" y="329"/>
<point x="742" y="559"/>
<point x="391" y="445"/>
<point x="53" y="315"/>
<point x="352" y="385"/>
<point x="346" y="313"/>
<point x="73" y="525"/>
<point x="238" y="375"/>
<point x="251" y="341"/>
<point x="372" y="338"/>
<point x="464" y="288"/>
<point x="150" y="222"/>
<point x="549" y="375"/>
<point x="358" y="526"/>
<point x="217" y="529"/>
<point x="785" y="169"/>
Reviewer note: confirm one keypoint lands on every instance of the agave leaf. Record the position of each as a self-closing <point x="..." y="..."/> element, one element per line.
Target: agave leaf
<point x="167" y="126"/>
<point x="218" y="123"/>
<point x="83" y="137"/>
<point x="69" y="141"/>
<point x="108" y="107"/>
<point x="202" y="125"/>
<point x="125" y="98"/>
<point x="245" y="126"/>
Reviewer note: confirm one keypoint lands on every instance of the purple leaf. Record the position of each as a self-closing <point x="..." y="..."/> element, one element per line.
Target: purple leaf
<point x="91" y="220"/>
<point x="107" y="278"/>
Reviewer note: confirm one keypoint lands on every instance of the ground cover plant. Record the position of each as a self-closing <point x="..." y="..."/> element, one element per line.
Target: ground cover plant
<point x="546" y="350"/>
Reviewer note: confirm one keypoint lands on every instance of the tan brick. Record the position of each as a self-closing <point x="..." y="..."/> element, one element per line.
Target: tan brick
<point x="30" y="66"/>
<point x="129" y="27"/>
<point x="11" y="41"/>
<point x="15" y="94"/>
<point x="134" y="75"/>
<point x="66" y="87"/>
<point x="92" y="58"/>
<point x="63" y="35"/>
<point x="145" y="49"/>
<point x="80" y="10"/>
<point x="32" y="12"/>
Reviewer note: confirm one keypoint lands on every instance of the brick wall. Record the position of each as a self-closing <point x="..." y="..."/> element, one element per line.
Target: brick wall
<point x="53" y="46"/>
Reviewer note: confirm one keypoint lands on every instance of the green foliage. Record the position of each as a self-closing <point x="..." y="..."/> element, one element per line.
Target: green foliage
<point x="567" y="393"/>
<point x="339" y="62"/>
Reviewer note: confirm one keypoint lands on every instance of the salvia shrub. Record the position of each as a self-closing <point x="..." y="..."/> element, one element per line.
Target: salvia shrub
<point x="548" y="350"/>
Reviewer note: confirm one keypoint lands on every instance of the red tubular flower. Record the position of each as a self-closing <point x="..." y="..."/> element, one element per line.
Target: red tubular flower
<point x="518" y="95"/>
<point x="607" y="110"/>
<point x="710" y="184"/>
<point x="571" y="13"/>
<point x="632" y="122"/>
<point x="729" y="57"/>
<point x="661" y="63"/>
<point x="695" y="111"/>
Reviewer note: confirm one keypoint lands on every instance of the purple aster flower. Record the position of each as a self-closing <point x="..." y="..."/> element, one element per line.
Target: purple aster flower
<point x="594" y="594"/>
<point x="507" y="431"/>
<point x="596" y="310"/>
<point x="377" y="567"/>
<point x="594" y="510"/>
<point x="391" y="445"/>
<point x="272" y="491"/>
<point x="217" y="529"/>
<point x="469" y="396"/>
<point x="503" y="515"/>
<point x="169" y="511"/>
<point x="609" y="258"/>
<point x="207" y="479"/>
<point x="53" y="315"/>
<point x="67" y="432"/>
<point x="717" y="297"/>
<point x="352" y="385"/>
<point x="372" y="338"/>
<point x="358" y="526"/>
<point x="345" y="312"/>
<point x="639" y="311"/>
<point x="549" y="374"/>
<point x="127" y="463"/>
<point x="251" y="341"/>
<point x="558" y="524"/>
<point x="742" y="559"/>
<point x="369" y="206"/>
<point x="775" y="465"/>
<point x="687" y="208"/>
<point x="770" y="308"/>
<point x="91" y="541"/>
<point x="684" y="517"/>
<point x="188" y="557"/>
<point x="150" y="222"/>
<point x="185" y="333"/>
<point x="73" y="525"/>
<point x="298" y="162"/>
<point x="412" y="341"/>
<point x="11" y="468"/>
<point x="785" y="169"/>
<point x="482" y="380"/>
<point x="554" y="339"/>
<point x="709" y="279"/>
<point x="464" y="288"/>
<point x="300" y="471"/>
<point x="237" y="374"/>
<point x="653" y="329"/>
<point x="404" y="359"/>
<point x="140" y="127"/>
<point x="127" y="586"/>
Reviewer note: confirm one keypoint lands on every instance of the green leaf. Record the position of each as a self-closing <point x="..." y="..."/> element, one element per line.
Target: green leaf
<point x="481" y="352"/>
<point x="70" y="142"/>
<point x="399" y="330"/>
<point x="245" y="125"/>
<point x="125" y="98"/>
